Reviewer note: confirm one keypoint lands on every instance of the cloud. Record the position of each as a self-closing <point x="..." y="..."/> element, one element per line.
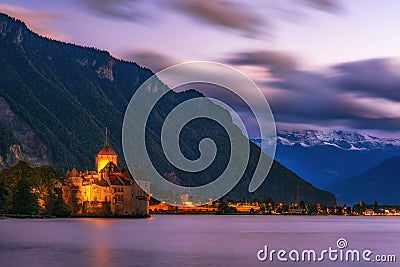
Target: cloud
<point x="325" y="5"/>
<point x="246" y="19"/>
<point x="374" y="77"/>
<point x="250" y="19"/>
<point x="222" y="13"/>
<point x="274" y="61"/>
<point x="361" y="95"/>
<point x="315" y="98"/>
<point x="37" y="21"/>
<point x="150" y="59"/>
<point x="130" y="10"/>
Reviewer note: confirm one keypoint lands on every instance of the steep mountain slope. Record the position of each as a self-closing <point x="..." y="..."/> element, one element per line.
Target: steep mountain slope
<point x="324" y="158"/>
<point x="381" y="183"/>
<point x="58" y="98"/>
<point x="65" y="93"/>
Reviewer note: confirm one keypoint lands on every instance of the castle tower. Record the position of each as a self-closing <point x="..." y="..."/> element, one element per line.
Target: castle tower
<point x="105" y="155"/>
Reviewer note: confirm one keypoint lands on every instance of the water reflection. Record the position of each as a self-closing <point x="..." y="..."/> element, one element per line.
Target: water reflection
<point x="186" y="240"/>
<point x="99" y="253"/>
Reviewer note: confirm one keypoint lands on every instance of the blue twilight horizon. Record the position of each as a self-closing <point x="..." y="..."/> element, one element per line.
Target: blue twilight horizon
<point x="322" y="64"/>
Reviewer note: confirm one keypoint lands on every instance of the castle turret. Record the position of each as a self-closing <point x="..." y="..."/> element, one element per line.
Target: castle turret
<point x="105" y="155"/>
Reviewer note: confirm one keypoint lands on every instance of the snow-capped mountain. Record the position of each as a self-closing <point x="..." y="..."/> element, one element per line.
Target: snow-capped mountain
<point x="340" y="139"/>
<point x="324" y="158"/>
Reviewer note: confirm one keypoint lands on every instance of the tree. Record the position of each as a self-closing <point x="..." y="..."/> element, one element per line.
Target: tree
<point x="262" y="200"/>
<point x="376" y="207"/>
<point x="223" y="206"/>
<point x="24" y="201"/>
<point x="312" y="210"/>
<point x="56" y="206"/>
<point x="28" y="190"/>
<point x="349" y="210"/>
<point x="339" y="210"/>
<point x="270" y="201"/>
<point x="324" y="208"/>
<point x="302" y="204"/>
<point x="359" y="208"/>
<point x="262" y="208"/>
<point x="285" y="208"/>
<point x="3" y="197"/>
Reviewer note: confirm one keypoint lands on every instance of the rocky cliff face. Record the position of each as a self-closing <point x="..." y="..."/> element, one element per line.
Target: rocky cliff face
<point x="29" y="147"/>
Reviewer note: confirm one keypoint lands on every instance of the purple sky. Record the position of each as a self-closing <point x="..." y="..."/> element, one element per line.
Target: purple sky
<point x="322" y="64"/>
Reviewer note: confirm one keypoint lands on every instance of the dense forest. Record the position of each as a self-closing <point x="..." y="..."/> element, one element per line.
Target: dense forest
<point x="27" y="190"/>
<point x="69" y="94"/>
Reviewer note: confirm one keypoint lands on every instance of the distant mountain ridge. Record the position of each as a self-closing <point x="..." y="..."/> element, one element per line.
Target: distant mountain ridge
<point x="345" y="140"/>
<point x="60" y="97"/>
<point x="380" y="183"/>
<point x="324" y="158"/>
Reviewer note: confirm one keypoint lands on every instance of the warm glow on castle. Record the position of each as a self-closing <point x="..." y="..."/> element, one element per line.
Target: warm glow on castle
<point x="105" y="155"/>
<point x="107" y="191"/>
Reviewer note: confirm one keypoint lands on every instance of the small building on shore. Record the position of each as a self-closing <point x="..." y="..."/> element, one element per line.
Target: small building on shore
<point x="106" y="191"/>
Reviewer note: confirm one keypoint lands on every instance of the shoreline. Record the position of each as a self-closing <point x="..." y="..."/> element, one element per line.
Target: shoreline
<point x="38" y="216"/>
<point x="258" y="214"/>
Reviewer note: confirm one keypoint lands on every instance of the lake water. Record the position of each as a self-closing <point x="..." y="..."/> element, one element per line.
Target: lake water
<point x="189" y="240"/>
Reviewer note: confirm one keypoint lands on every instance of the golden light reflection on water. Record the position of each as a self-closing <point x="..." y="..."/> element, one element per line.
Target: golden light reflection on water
<point x="100" y="249"/>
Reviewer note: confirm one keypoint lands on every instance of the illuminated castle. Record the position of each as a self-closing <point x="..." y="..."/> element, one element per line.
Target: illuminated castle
<point x="105" y="155"/>
<point x="106" y="191"/>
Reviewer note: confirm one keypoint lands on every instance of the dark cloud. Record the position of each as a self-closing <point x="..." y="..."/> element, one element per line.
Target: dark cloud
<point x="383" y="124"/>
<point x="240" y="17"/>
<point x="275" y="61"/>
<point x="131" y="10"/>
<point x="355" y="95"/>
<point x="325" y="5"/>
<point x="222" y="13"/>
<point x="374" y="78"/>
<point x="225" y="14"/>
<point x="313" y="98"/>
<point x="150" y="59"/>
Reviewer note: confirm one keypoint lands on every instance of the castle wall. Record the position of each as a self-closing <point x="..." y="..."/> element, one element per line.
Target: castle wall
<point x="92" y="199"/>
<point x="105" y="193"/>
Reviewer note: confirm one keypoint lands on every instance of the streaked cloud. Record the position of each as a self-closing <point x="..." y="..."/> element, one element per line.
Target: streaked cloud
<point x="235" y="16"/>
<point x="325" y="5"/>
<point x="379" y="77"/>
<point x="131" y="10"/>
<point x="274" y="61"/>
<point x="150" y="59"/>
<point x="354" y="95"/>
<point x="225" y="14"/>
<point x="38" y="21"/>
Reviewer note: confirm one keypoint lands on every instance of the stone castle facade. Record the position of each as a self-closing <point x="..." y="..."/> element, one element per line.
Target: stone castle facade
<point x="105" y="191"/>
